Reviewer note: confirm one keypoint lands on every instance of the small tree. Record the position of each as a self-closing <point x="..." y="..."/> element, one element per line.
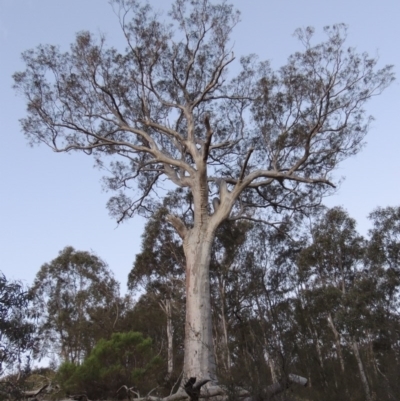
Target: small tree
<point x="124" y="358"/>
<point x="259" y="142"/>
<point x="159" y="270"/>
<point x="16" y="331"/>
<point x="78" y="303"/>
<point x="384" y="245"/>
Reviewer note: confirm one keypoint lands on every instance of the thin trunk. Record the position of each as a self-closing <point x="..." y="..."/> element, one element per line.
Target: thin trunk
<point x="199" y="359"/>
<point x="337" y="340"/>
<point x="319" y="352"/>
<point x="371" y="353"/>
<point x="170" y="337"/>
<point x="314" y="333"/>
<point x="227" y="356"/>
<point x="166" y="306"/>
<point x="267" y="357"/>
<point x="361" y="369"/>
<point x="215" y="342"/>
<point x="270" y="362"/>
<point x="338" y="349"/>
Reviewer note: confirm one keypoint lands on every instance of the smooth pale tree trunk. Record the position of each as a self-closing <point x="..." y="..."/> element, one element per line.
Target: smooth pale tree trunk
<point x="166" y="306"/>
<point x="271" y="363"/>
<point x="319" y="352"/>
<point x="199" y="359"/>
<point x="361" y="369"/>
<point x="337" y="340"/>
<point x="170" y="335"/>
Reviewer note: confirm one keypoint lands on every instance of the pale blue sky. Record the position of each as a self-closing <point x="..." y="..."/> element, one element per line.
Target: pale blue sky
<point x="49" y="201"/>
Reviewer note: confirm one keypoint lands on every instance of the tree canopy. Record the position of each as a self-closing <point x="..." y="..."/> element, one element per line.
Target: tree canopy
<point x="124" y="358"/>
<point x="77" y="302"/>
<point x="16" y="329"/>
<point x="168" y="107"/>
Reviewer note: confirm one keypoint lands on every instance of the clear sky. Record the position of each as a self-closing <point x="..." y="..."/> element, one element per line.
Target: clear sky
<point x="49" y="201"/>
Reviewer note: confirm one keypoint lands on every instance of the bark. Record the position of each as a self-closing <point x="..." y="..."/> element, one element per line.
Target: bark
<point x="199" y="359"/>
<point x="361" y="369"/>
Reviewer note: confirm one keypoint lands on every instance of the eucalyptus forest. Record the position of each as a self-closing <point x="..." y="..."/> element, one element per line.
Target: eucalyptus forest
<point x="247" y="287"/>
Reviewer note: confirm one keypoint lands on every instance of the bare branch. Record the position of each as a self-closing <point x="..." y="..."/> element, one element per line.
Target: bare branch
<point x="178" y="224"/>
<point x="208" y="140"/>
<point x="250" y="151"/>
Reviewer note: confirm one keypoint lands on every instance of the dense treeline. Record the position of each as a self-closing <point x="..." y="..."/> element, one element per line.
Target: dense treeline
<point x="313" y="298"/>
<point x="316" y="299"/>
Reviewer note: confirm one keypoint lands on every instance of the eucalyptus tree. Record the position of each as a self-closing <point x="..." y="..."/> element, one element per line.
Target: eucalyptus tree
<point x="167" y="108"/>
<point x="159" y="271"/>
<point x="334" y="263"/>
<point x="17" y="331"/>
<point x="384" y="245"/>
<point x="273" y="283"/>
<point x="77" y="302"/>
<point x="226" y="272"/>
<point x="383" y="261"/>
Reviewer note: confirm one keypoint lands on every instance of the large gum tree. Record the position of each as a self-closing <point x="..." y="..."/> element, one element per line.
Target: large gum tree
<point x="254" y="145"/>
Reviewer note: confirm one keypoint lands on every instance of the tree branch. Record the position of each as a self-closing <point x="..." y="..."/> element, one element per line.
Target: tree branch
<point x="207" y="144"/>
<point x="250" y="151"/>
<point x="178" y="224"/>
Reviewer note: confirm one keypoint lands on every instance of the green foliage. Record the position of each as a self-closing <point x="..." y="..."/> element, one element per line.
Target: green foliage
<point x="384" y="247"/>
<point x="126" y="359"/>
<point x="159" y="270"/>
<point x="16" y="331"/>
<point x="78" y="303"/>
<point x="159" y="266"/>
<point x="273" y="290"/>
